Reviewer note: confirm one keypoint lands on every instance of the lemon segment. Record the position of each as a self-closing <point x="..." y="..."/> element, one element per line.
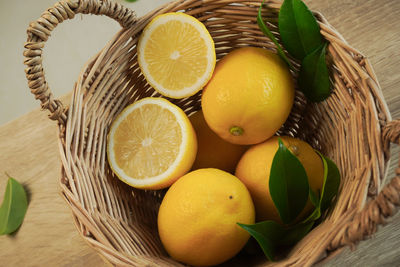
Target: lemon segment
<point x="151" y="144"/>
<point x="176" y="55"/>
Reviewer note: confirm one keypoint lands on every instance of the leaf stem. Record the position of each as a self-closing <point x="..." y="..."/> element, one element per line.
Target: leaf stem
<point x="269" y="34"/>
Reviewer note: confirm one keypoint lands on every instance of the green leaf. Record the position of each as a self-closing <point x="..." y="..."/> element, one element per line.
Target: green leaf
<point x="316" y="212"/>
<point x="267" y="234"/>
<point x="299" y="30"/>
<point x="131" y="1"/>
<point x="270" y="235"/>
<point x="288" y="184"/>
<point x="315" y="215"/>
<point x="331" y="184"/>
<point x="295" y="233"/>
<point x="314" y="198"/>
<point x="314" y="76"/>
<point x="13" y="208"/>
<point x="269" y="34"/>
<point x="330" y="188"/>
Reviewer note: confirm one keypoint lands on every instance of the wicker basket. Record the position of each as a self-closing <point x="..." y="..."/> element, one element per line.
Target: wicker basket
<point x="353" y="127"/>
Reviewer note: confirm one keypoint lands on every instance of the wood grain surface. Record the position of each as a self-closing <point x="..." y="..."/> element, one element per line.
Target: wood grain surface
<point x="29" y="153"/>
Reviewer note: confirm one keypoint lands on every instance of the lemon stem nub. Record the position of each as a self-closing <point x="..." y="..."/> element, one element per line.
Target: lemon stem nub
<point x="236" y="131"/>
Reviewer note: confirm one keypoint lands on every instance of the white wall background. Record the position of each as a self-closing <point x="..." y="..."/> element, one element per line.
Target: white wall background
<point x="71" y="44"/>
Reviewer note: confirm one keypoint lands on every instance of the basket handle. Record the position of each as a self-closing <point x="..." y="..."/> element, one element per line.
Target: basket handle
<point x="365" y="223"/>
<point x="39" y="31"/>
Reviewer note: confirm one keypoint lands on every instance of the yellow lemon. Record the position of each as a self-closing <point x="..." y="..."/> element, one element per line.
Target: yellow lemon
<point x="254" y="168"/>
<point x="176" y="54"/>
<point x="249" y="96"/>
<point x="151" y="144"/>
<point x="198" y="217"/>
<point x="212" y="150"/>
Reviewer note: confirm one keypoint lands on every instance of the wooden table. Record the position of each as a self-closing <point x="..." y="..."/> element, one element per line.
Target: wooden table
<point x="29" y="152"/>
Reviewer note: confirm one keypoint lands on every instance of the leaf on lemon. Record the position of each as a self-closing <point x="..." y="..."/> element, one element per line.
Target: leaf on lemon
<point x="331" y="184"/>
<point x="314" y="198"/>
<point x="329" y="190"/>
<point x="288" y="184"/>
<point x="13" y="208"/>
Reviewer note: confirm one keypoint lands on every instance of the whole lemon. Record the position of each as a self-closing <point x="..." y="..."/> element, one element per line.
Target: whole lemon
<point x="197" y="219"/>
<point x="212" y="150"/>
<point x="254" y="169"/>
<point x="249" y="96"/>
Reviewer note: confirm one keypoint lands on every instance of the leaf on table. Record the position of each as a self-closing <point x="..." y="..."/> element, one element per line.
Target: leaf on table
<point x="299" y="30"/>
<point x="314" y="76"/>
<point x="13" y="208"/>
<point x="288" y="184"/>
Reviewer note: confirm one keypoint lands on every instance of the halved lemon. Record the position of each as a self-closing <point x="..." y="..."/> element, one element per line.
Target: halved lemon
<point x="176" y="54"/>
<point x="151" y="144"/>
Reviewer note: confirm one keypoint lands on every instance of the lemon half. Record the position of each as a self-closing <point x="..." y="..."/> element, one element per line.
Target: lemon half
<point x="151" y="144"/>
<point x="176" y="54"/>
